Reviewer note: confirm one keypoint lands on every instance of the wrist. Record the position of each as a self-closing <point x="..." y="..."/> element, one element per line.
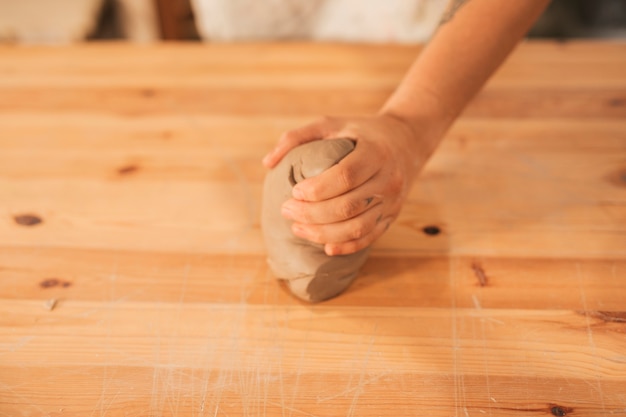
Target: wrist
<point x="424" y="130"/>
<point x="424" y="111"/>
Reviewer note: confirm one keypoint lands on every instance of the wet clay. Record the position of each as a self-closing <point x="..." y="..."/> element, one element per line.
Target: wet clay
<point x="310" y="274"/>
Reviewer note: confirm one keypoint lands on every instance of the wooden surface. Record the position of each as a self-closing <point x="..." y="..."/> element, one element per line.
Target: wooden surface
<point x="143" y="290"/>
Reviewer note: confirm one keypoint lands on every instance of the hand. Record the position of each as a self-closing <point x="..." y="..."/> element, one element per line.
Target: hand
<point x="352" y="204"/>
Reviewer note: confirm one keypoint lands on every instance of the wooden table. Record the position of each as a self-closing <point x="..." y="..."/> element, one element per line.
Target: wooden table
<point x="132" y="271"/>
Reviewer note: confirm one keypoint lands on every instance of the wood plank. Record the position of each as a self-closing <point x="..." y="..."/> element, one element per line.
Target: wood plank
<point x="386" y="281"/>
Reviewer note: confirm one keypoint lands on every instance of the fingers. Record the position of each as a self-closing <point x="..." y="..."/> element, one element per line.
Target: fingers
<point x="291" y="139"/>
<point x="352" y="171"/>
<point x="335" y="210"/>
<point x="365" y="239"/>
<point x="358" y="228"/>
<point x="356" y="245"/>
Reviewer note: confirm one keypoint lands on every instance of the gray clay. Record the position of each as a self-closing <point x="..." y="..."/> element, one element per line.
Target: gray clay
<point x="310" y="274"/>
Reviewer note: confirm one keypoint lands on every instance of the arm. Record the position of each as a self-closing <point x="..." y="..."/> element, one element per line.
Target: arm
<point x="473" y="39"/>
<point x="352" y="204"/>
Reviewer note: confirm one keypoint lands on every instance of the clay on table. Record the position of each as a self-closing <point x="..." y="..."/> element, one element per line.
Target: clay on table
<point x="310" y="274"/>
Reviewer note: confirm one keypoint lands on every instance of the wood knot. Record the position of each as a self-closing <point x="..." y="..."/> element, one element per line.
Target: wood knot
<point x="605" y="316"/>
<point x="431" y="230"/>
<point x="148" y="92"/>
<point x="617" y="177"/>
<point x="483" y="280"/>
<point x="27" y="219"/>
<point x="127" y="169"/>
<point x="54" y="282"/>
<point x="559" y="410"/>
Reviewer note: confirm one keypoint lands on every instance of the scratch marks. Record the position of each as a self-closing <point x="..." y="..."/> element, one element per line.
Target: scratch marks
<point x="291" y="409"/>
<point x="20" y="343"/>
<point x="459" y="382"/>
<point x="362" y="382"/>
<point x="592" y="344"/>
<point x="300" y="363"/>
<point x="476" y="302"/>
<point x="105" y="400"/>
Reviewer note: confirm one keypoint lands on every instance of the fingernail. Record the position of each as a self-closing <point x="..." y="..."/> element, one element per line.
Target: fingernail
<point x="297" y="193"/>
<point x="266" y="159"/>
<point x="330" y="251"/>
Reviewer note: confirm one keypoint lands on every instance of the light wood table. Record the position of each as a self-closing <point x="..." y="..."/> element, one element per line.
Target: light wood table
<point x="133" y="279"/>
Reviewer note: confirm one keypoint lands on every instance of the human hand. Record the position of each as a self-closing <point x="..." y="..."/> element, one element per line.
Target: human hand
<point x="352" y="204"/>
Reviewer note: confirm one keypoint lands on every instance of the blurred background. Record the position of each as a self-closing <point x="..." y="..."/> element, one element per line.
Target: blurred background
<point x="405" y="21"/>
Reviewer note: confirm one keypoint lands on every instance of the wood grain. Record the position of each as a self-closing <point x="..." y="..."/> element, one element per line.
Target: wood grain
<point x="132" y="270"/>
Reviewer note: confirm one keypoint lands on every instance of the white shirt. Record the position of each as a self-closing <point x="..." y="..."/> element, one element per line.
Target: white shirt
<point x="401" y="21"/>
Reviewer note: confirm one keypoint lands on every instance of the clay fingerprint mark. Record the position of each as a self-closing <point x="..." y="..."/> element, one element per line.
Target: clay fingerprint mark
<point x="617" y="177"/>
<point x="127" y="170"/>
<point x="27" y="219"/>
<point x="483" y="280"/>
<point x="559" y="410"/>
<point x="605" y="316"/>
<point x="54" y="282"/>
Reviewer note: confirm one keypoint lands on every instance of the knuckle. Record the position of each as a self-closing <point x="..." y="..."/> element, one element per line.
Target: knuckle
<point x="303" y="212"/>
<point x="312" y="193"/>
<point x="290" y="137"/>
<point x="304" y="216"/>
<point x="326" y="119"/>
<point x="396" y="182"/>
<point x="352" y="247"/>
<point x="347" y="178"/>
<point x="316" y="235"/>
<point x="288" y="134"/>
<point x="348" y="209"/>
<point x="347" y="249"/>
<point x="359" y="230"/>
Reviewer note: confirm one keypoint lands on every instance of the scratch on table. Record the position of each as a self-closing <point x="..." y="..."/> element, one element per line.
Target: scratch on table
<point x="300" y="364"/>
<point x="281" y="388"/>
<point x="181" y="300"/>
<point x="292" y="409"/>
<point x="583" y="299"/>
<point x="486" y="357"/>
<point x="453" y="318"/>
<point x="22" y="341"/>
<point x="224" y="377"/>
<point x="22" y="399"/>
<point x="101" y="404"/>
<point x="476" y="302"/>
<point x="155" y="395"/>
<point x="361" y="384"/>
<point x="206" y="376"/>
<point x="350" y="390"/>
<point x="212" y="394"/>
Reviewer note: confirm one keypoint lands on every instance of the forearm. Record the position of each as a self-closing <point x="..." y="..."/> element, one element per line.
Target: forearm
<point x="473" y="39"/>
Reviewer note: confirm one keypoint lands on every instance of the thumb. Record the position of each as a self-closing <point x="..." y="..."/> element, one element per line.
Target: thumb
<point x="295" y="137"/>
